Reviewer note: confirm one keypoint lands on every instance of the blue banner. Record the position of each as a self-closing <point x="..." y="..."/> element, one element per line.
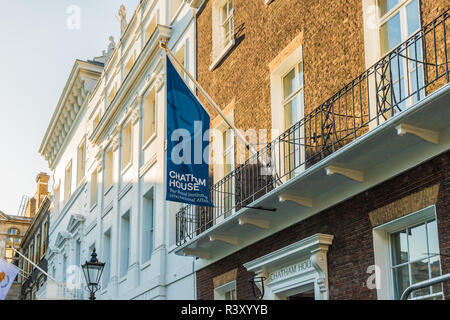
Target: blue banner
<point x="187" y="144"/>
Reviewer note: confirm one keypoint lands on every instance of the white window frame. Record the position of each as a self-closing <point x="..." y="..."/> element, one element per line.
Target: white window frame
<point x="68" y="184"/>
<point x="94" y="186"/>
<point x="383" y="249"/>
<point x="109" y="169"/>
<point x="220" y="292"/>
<point x="372" y="43"/>
<point x="125" y="260"/>
<point x="220" y="47"/>
<point x="107" y="257"/>
<point x="278" y="102"/>
<point x="147" y="139"/>
<point x="57" y="200"/>
<point x="81" y="161"/>
<point x="148" y="240"/>
<point x="219" y="153"/>
<point x="175" y="11"/>
<point x="126" y="165"/>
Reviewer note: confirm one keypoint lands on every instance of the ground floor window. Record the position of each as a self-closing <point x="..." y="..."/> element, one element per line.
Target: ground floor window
<point x="226" y="292"/>
<point x="415" y="258"/>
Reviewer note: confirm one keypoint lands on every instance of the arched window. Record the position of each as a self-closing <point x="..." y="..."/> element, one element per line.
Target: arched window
<point x="13" y="231"/>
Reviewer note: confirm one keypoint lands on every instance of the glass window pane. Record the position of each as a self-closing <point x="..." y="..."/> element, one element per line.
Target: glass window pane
<point x="399" y="247"/>
<point x="291" y="112"/>
<point x="435" y="267"/>
<point x="401" y="280"/>
<point x="290" y="84"/>
<point x="228" y="161"/>
<point x="300" y="74"/>
<point x="412" y="11"/>
<point x="417" y="239"/>
<point x="386" y="5"/>
<point x="390" y="34"/>
<point x="419" y="273"/>
<point x="433" y="240"/>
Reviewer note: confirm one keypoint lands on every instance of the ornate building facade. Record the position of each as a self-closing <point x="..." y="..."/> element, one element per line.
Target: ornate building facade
<point x="34" y="243"/>
<point x="105" y="147"/>
<point x="350" y="198"/>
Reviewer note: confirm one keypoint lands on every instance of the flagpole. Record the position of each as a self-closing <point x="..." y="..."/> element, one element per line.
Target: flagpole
<point x="210" y="100"/>
<point x="36" y="266"/>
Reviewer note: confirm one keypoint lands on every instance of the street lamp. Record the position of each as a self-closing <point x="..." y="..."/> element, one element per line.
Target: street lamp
<point x="254" y="282"/>
<point x="92" y="272"/>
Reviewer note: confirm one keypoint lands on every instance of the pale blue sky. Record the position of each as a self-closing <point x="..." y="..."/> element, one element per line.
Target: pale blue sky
<point x="37" y="52"/>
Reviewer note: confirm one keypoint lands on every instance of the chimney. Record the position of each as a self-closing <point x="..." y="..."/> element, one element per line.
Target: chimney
<point x="42" y="188"/>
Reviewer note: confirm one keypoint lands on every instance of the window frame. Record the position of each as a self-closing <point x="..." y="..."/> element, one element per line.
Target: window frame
<point x="109" y="169"/>
<point x="57" y="200"/>
<point x="410" y="262"/>
<point x="124" y="166"/>
<point x="147" y="139"/>
<point x="68" y="184"/>
<point x="220" y="292"/>
<point x="81" y="170"/>
<point x="148" y="240"/>
<point x="174" y="12"/>
<point x="383" y="250"/>
<point x="93" y="203"/>
<point x="220" y="48"/>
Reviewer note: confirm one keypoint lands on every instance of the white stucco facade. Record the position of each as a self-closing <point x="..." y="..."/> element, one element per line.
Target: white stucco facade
<point x="127" y="221"/>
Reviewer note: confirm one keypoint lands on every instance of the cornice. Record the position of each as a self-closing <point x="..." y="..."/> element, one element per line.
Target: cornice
<point x="70" y="104"/>
<point x="162" y="32"/>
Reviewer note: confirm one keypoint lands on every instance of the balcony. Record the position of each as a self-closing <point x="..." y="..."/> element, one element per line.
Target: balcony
<point x="389" y="119"/>
<point x="59" y="291"/>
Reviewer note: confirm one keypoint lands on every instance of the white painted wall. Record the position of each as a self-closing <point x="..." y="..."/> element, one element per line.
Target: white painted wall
<point x="165" y="275"/>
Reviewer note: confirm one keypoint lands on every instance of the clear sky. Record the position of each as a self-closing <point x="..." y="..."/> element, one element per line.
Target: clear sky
<point x="37" y="52"/>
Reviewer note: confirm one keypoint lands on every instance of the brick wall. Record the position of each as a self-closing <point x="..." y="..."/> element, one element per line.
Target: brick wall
<point x="332" y="42"/>
<point x="333" y="51"/>
<point x="352" y="249"/>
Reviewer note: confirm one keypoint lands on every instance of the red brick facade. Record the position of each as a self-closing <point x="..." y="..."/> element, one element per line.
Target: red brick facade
<point x="352" y="250"/>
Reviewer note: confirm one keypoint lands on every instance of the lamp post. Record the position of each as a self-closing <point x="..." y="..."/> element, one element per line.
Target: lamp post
<point x="93" y="270"/>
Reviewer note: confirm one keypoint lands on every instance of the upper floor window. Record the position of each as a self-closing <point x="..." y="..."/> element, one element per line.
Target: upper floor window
<point x="56" y="201"/>
<point x="399" y="19"/>
<point x="293" y="95"/>
<point x="30" y="257"/>
<point x="147" y="226"/>
<point x="37" y="254"/>
<point x="223" y="29"/>
<point x="68" y="182"/>
<point x="223" y="165"/>
<point x="44" y="238"/>
<point x="112" y="94"/>
<point x="109" y="163"/>
<point x="127" y="145"/>
<point x="96" y="121"/>
<point x="94" y="187"/>
<point x="149" y="116"/>
<point x="128" y="65"/>
<point x="415" y="258"/>
<point x="181" y="58"/>
<point x="81" y="161"/>
<point x="175" y="6"/>
<point x="11" y="242"/>
<point x="151" y="27"/>
<point x="14" y="231"/>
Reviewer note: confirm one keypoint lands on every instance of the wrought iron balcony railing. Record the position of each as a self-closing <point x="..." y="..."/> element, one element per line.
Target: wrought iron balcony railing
<point x="411" y="71"/>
